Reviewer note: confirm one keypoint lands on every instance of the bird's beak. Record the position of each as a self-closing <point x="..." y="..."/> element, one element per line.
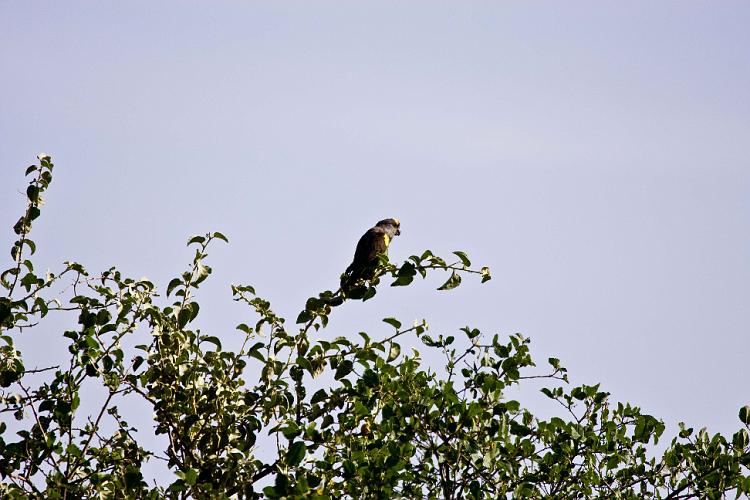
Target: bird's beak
<point x="398" y="231"/>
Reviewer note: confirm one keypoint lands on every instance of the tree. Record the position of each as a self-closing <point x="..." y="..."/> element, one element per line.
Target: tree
<point x="383" y="425"/>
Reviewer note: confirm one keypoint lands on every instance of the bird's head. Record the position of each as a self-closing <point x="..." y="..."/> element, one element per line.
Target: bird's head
<point x="392" y="226"/>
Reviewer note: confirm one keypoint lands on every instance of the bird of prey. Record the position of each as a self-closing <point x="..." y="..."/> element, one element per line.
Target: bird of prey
<point x="373" y="242"/>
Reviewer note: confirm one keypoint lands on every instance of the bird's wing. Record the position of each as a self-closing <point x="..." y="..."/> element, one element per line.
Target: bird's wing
<point x="373" y="242"/>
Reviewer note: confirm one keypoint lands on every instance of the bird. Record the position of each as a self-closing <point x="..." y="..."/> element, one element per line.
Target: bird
<point x="375" y="241"/>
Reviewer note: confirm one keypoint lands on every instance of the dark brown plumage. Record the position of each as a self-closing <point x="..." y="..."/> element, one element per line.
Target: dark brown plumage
<point x="375" y="241"/>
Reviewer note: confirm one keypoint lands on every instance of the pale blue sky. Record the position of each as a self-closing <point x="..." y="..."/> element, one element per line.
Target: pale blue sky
<point x="596" y="155"/>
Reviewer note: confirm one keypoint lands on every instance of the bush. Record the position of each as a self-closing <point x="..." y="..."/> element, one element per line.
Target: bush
<point x="384" y="425"/>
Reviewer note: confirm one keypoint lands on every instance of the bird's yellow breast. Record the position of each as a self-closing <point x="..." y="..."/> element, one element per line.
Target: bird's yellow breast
<point x="387" y="239"/>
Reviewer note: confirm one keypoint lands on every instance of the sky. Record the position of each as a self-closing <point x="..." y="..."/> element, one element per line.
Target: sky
<point x="595" y="155"/>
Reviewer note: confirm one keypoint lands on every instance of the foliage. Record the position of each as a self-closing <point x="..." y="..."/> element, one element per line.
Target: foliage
<point x="381" y="423"/>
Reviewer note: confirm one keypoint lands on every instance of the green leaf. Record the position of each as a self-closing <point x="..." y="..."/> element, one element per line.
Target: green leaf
<point x="518" y="429"/>
<point x="196" y="239"/>
<point x="34" y="213"/>
<point x="428" y="341"/>
<point x="191" y="476"/>
<point x="31" y="245"/>
<point x="464" y="259"/>
<point x="304" y="317"/>
<point x="21" y="226"/>
<point x="290" y="431"/>
<point x="745" y="414"/>
<point x="402" y="281"/>
<point x="407" y="269"/>
<point x="393" y="322"/>
<point x="29" y="280"/>
<point x="183" y="317"/>
<point x="357" y="292"/>
<point x="370" y="378"/>
<point x="194" y="308"/>
<point x="137" y="362"/>
<point x="320" y="395"/>
<point x="244" y="328"/>
<point x="32" y="168"/>
<point x="32" y="192"/>
<point x="220" y="236"/>
<point x="254" y="352"/>
<point x="270" y="492"/>
<point x="369" y="293"/>
<point x="741" y="439"/>
<point x="237" y="289"/>
<point x="394" y="351"/>
<point x="103" y="317"/>
<point x="579" y="393"/>
<point x="452" y="282"/>
<point x="202" y="273"/>
<point x="172" y="284"/>
<point x="313" y="303"/>
<point x="485" y="274"/>
<point x="344" y="369"/>
<point x="296" y="453"/>
<point x="213" y="340"/>
<point x="47" y="405"/>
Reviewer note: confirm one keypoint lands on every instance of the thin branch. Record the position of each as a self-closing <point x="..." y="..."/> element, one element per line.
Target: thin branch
<point x="39" y="424"/>
<point x="40" y="370"/>
<point x="70" y="470"/>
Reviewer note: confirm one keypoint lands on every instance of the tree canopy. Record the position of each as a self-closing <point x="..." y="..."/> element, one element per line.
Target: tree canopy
<point x="294" y="413"/>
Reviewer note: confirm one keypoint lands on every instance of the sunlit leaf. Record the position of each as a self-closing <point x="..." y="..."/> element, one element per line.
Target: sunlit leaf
<point x="453" y="282"/>
<point x="464" y="258"/>
<point x="393" y="322"/>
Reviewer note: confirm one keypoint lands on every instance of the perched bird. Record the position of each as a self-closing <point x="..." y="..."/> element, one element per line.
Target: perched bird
<point x="373" y="242"/>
